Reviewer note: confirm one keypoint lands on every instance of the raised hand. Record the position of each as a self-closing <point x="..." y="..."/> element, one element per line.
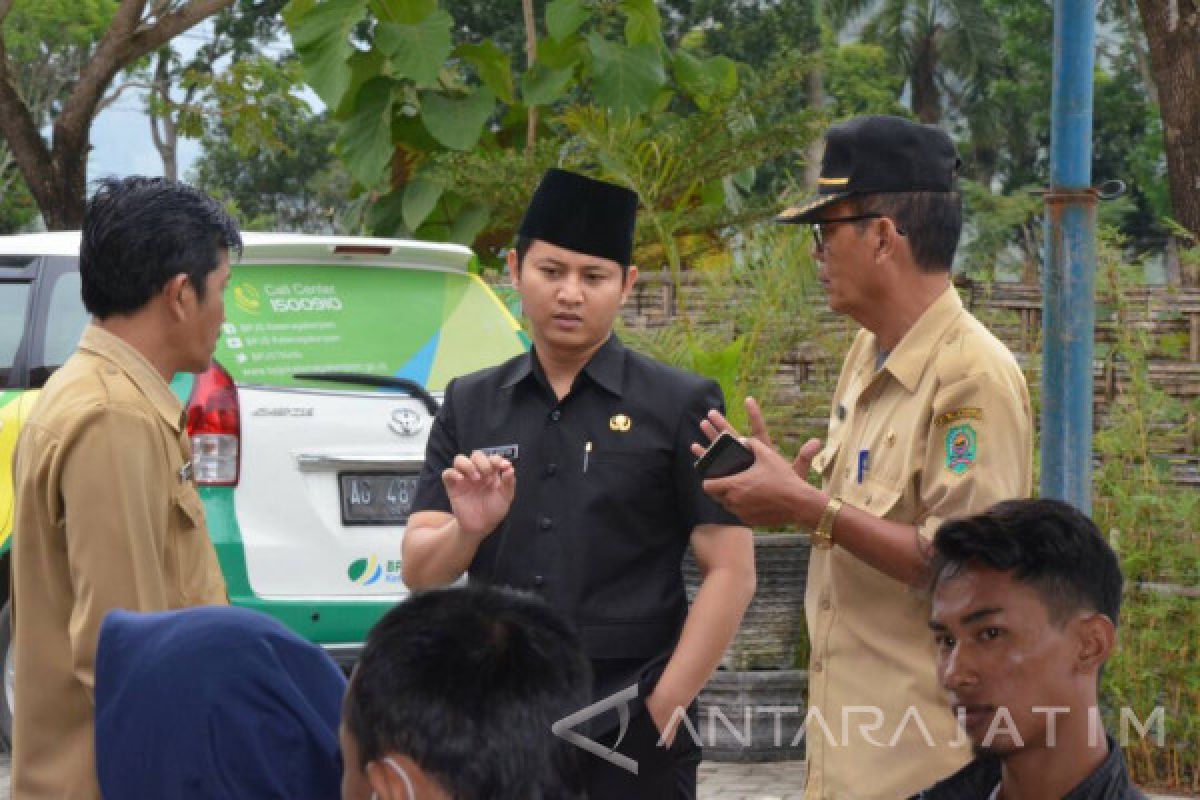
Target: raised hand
<point x="481" y="490"/>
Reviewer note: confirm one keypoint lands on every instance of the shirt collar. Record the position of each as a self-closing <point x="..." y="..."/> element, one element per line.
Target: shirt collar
<point x="981" y="776"/>
<point x="606" y="367"/>
<point x="1107" y="779"/>
<point x="909" y="357"/>
<point x="145" y="377"/>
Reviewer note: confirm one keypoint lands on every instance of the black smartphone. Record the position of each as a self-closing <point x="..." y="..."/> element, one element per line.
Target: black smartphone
<point x="725" y="456"/>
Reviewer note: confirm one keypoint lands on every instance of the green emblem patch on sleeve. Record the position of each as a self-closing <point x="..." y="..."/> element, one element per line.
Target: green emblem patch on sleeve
<point x="960" y="448"/>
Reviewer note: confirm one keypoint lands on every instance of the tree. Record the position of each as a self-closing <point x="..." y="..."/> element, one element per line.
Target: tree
<point x="1173" y="33"/>
<point x="46" y="42"/>
<point x="414" y="106"/>
<point x="297" y="185"/>
<point x="183" y="93"/>
<point x="56" y="171"/>
<point x="946" y="48"/>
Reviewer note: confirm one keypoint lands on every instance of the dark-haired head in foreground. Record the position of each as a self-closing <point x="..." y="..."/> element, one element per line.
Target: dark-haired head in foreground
<point x="1026" y="597"/>
<point x="455" y="695"/>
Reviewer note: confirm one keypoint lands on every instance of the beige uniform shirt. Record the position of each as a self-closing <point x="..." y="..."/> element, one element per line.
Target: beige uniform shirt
<point x="942" y="429"/>
<point x="107" y="518"/>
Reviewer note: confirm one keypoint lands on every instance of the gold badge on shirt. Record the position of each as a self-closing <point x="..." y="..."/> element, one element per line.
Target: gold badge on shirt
<point x="958" y="415"/>
<point x="620" y="423"/>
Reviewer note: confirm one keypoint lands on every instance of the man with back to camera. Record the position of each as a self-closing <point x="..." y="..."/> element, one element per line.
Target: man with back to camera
<point x="930" y="420"/>
<point x="579" y="486"/>
<point x="1026" y="598"/>
<point x="455" y="696"/>
<point x="107" y="515"/>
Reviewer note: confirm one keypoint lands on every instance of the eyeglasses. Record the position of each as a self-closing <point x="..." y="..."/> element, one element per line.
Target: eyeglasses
<point x="819" y="234"/>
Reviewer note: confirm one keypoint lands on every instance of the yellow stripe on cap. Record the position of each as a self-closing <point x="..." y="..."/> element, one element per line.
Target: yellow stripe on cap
<point x="833" y="181"/>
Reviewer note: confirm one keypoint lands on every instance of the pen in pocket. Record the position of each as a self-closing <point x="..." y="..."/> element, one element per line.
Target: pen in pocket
<point x="587" y="451"/>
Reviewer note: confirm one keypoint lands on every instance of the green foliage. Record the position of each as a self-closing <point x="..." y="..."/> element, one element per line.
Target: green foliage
<point x="1153" y="524"/>
<point x="751" y="33"/>
<point x="321" y="37"/>
<point x="18" y="211"/>
<point x="1004" y="237"/>
<point x="861" y="80"/>
<point x="433" y="132"/>
<point x="296" y="184"/>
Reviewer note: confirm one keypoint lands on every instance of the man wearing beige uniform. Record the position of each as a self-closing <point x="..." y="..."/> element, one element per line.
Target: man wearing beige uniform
<point x="930" y="420"/>
<point x="107" y="513"/>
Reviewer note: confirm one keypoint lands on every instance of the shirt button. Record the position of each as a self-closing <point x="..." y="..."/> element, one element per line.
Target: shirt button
<point x="550" y="470"/>
<point x="825" y="604"/>
<point x="545" y="523"/>
<point x="816" y="667"/>
<point x="556" y="415"/>
<point x="539" y="580"/>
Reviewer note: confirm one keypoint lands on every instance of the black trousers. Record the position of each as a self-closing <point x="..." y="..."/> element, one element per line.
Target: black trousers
<point x="664" y="773"/>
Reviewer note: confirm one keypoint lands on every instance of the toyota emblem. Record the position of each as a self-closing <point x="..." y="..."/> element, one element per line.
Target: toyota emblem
<point x="405" y="422"/>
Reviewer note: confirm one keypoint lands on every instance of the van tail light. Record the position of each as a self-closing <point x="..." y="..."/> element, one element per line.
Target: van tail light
<point x="215" y="427"/>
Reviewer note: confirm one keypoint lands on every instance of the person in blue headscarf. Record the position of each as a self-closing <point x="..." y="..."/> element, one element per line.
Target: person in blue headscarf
<point x="214" y="702"/>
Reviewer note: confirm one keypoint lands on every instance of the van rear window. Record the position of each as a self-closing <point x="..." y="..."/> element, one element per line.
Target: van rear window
<point x="423" y="325"/>
<point x="14" y="297"/>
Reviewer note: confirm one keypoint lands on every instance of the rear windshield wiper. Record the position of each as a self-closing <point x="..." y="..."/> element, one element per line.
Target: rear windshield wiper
<point x="383" y="381"/>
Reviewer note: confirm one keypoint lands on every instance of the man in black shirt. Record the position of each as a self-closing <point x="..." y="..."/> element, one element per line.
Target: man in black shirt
<point x="1025" y="603"/>
<point x="567" y="472"/>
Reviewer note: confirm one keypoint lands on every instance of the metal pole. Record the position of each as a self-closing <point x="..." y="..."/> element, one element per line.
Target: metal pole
<point x="1068" y="279"/>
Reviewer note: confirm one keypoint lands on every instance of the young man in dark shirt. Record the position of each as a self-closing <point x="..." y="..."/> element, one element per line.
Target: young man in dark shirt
<point x="567" y="472"/>
<point x="1025" y="603"/>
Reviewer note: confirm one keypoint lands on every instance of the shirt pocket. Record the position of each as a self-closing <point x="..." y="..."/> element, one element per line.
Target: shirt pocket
<point x="877" y="497"/>
<point x="192" y="556"/>
<point x="823" y="462"/>
<point x="637" y="476"/>
<point x="189" y="509"/>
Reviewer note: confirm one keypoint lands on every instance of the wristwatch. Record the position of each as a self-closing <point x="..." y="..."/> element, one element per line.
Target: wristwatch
<point x="822" y="535"/>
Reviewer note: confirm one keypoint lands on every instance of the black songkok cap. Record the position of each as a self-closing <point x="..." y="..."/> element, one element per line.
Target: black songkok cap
<point x="878" y="155"/>
<point x="582" y="214"/>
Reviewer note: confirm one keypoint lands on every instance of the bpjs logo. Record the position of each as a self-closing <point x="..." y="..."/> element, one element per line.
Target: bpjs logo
<point x="371" y="570"/>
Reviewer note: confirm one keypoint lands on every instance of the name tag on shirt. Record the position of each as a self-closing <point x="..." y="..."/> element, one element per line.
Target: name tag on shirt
<point x="508" y="451"/>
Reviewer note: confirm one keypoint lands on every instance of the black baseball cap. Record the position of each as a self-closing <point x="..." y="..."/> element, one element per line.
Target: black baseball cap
<point x="583" y="214"/>
<point x="878" y="155"/>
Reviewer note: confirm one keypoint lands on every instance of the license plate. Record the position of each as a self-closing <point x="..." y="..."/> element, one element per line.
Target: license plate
<point x="376" y="498"/>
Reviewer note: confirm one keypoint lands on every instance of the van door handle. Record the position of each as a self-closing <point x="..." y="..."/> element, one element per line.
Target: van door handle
<point x="339" y="462"/>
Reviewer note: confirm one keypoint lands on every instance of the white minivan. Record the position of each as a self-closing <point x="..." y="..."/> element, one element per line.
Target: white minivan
<point x="308" y="431"/>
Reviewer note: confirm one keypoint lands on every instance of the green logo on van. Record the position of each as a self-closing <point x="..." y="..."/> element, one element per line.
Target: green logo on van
<point x="365" y="571"/>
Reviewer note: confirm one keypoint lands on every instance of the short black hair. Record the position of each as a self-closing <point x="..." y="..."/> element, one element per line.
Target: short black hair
<point x="467" y="682"/>
<point x="932" y="222"/>
<point x="1047" y="544"/>
<point x="522" y="247"/>
<point x="139" y="232"/>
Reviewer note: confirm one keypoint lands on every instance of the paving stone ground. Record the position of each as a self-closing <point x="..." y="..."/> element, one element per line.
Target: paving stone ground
<point x="780" y="780"/>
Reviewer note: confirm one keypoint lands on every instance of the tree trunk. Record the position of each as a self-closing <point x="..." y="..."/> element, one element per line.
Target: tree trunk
<point x="816" y="148"/>
<point x="1173" y="32"/>
<point x="926" y="103"/>
<point x="163" y="132"/>
<point x="530" y="58"/>
<point x="57" y="175"/>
